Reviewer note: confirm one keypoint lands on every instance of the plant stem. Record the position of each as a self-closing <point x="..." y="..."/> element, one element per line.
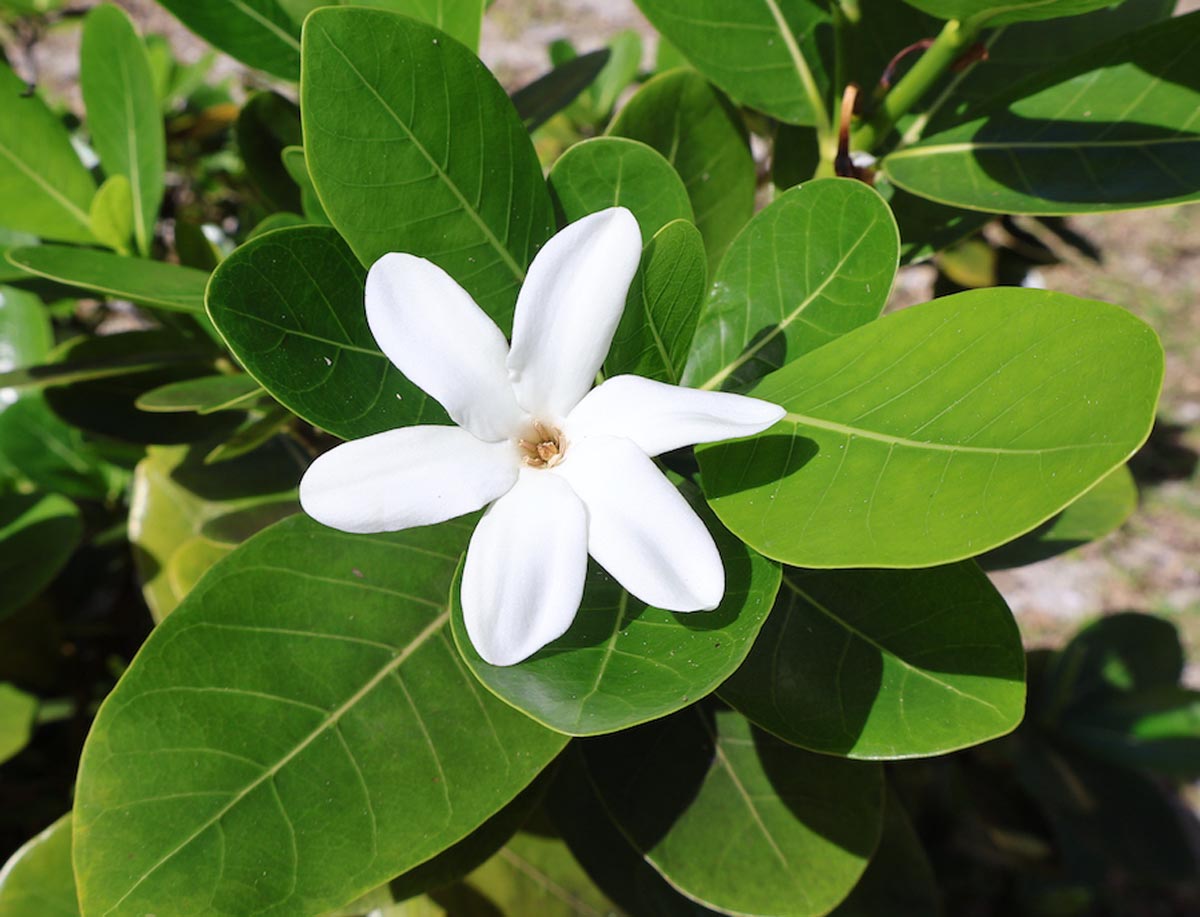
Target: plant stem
<point x="950" y="44"/>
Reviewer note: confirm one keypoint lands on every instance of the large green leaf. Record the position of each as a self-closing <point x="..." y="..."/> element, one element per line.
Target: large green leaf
<point x="123" y="112"/>
<point x="17" y="712"/>
<point x="999" y="12"/>
<point x="623" y="662"/>
<point x="612" y="171"/>
<point x="656" y="329"/>
<point x="290" y="305"/>
<point x="885" y="663"/>
<point x="816" y="263"/>
<point x="736" y="819"/>
<point x="1111" y="129"/>
<point x="763" y="53"/>
<point x="37" y="881"/>
<point x="313" y="733"/>
<point x="148" y="283"/>
<point x="683" y="117"/>
<point x="414" y="147"/>
<point x="939" y="432"/>
<point x="44" y="188"/>
<point x="259" y="33"/>
<point x="174" y="498"/>
<point x="38" y="533"/>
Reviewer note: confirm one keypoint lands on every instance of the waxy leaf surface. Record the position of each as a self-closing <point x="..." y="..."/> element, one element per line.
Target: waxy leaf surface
<point x="290" y="305"/>
<point x="816" y="263"/>
<point x="939" y="432"/>
<point x="414" y="147"/>
<point x="37" y="881"/>
<point x="735" y="818"/>
<point x="1112" y="129"/>
<point x="314" y="733"/>
<point x="885" y="663"/>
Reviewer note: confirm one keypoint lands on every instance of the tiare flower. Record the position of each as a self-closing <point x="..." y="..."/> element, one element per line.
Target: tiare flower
<point x="564" y="469"/>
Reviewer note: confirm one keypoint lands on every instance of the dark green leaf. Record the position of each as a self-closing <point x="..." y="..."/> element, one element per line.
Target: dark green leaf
<point x="1157" y="730"/>
<point x="266" y="125"/>
<point x="38" y="533"/>
<point x="662" y="308"/>
<point x="148" y="283"/>
<point x="297" y="167"/>
<point x="257" y="32"/>
<point x="204" y="395"/>
<point x="736" y="819"/>
<point x="315" y="733"/>
<point x="258" y="428"/>
<point x="17" y="711"/>
<point x="460" y="184"/>
<point x="290" y="306"/>
<point x="939" y="432"/>
<point x="816" y="263"/>
<point x="1000" y="12"/>
<point x="123" y="112"/>
<point x="885" y="663"/>
<point x="37" y="881"/>
<point x="701" y="135"/>
<point x="549" y="94"/>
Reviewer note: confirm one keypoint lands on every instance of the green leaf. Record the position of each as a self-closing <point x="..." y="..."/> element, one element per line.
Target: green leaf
<point x="1157" y="730"/>
<point x="148" y="283"/>
<point x="736" y="819"/>
<point x="1100" y="511"/>
<point x="1108" y="130"/>
<point x="267" y="124"/>
<point x="1000" y="12"/>
<point x="816" y="263"/>
<point x="111" y="214"/>
<point x="174" y="497"/>
<point x="662" y="308"/>
<point x="611" y="171"/>
<point x="885" y="663"/>
<point x="255" y="431"/>
<point x="289" y="305"/>
<point x="460" y="184"/>
<point x="17" y="712"/>
<point x="460" y="19"/>
<point x="550" y="93"/>
<point x="623" y="662"/>
<point x="38" y="534"/>
<point x="259" y="33"/>
<point x="621" y="68"/>
<point x="297" y="167"/>
<point x="37" y="881"/>
<point x="44" y="188"/>
<point x="124" y="116"/>
<point x="204" y="395"/>
<point x="702" y="137"/>
<point x="315" y="733"/>
<point x="26" y="335"/>
<point x="939" y="432"/>
<point x="762" y="53"/>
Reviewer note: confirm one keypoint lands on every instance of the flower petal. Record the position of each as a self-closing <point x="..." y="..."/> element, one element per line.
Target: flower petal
<point x="640" y="528"/>
<point x="406" y="477"/>
<point x="568" y="309"/>
<point x="661" y="417"/>
<point x="523" y="579"/>
<point x="435" y="334"/>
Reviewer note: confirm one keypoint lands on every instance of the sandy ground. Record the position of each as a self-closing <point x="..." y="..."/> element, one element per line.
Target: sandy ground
<point x="1150" y="264"/>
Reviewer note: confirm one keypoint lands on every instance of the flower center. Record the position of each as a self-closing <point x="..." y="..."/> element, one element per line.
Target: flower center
<point x="542" y="446"/>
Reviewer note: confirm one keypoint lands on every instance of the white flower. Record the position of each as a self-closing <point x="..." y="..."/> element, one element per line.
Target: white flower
<point x="567" y="471"/>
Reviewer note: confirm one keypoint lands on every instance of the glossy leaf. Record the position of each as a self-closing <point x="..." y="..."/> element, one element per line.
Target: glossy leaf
<point x="662" y="308"/>
<point x="37" y="881"/>
<point x="148" y="283"/>
<point x="38" y="533"/>
<point x="353" y="748"/>
<point x="476" y="206"/>
<point x="939" y="432"/>
<point x="701" y="135"/>
<point x="624" y="663"/>
<point x="266" y="125"/>
<point x="1001" y="12"/>
<point x="290" y="306"/>
<point x="174" y="497"/>
<point x="17" y="711"/>
<point x="1110" y="129"/>
<point x="549" y="94"/>
<point x="816" y="263"/>
<point x="44" y="188"/>
<point x="204" y="395"/>
<point x="259" y="33"/>
<point x="1100" y="511"/>
<point x="763" y="53"/>
<point x="611" y="171"/>
<point x="123" y="112"/>
<point x="736" y="819"/>
<point x="111" y="214"/>
<point x="885" y="663"/>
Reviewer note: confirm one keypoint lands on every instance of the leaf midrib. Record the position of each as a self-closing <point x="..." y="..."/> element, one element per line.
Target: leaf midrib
<point x="79" y="216"/>
<point x="267" y="24"/>
<point x="331" y="720"/>
<point x="968" y="146"/>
